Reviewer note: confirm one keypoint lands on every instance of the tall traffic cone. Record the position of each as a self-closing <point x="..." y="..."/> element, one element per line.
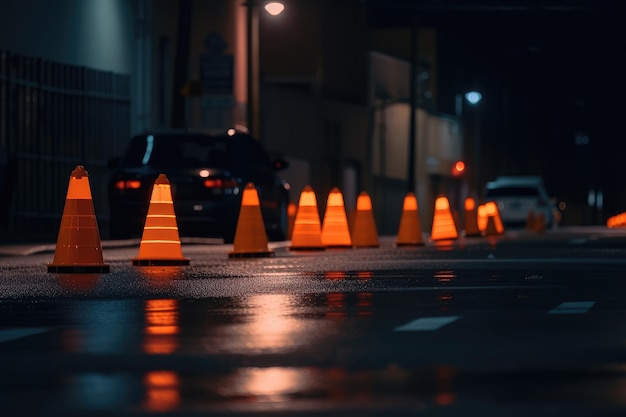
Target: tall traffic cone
<point x="471" y="218"/>
<point x="307" y="229"/>
<point x="364" y="233"/>
<point x="410" y="230"/>
<point x="530" y="221"/>
<point x="78" y="248"/>
<point x="494" y="221"/>
<point x="335" y="230"/>
<point x="291" y="218"/>
<point x="443" y="222"/>
<point x="160" y="242"/>
<point x="250" y="235"/>
<point x="481" y="218"/>
<point x="540" y="223"/>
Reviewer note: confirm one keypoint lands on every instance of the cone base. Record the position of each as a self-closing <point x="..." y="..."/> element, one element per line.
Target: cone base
<point x="398" y="244"/>
<point x="268" y="254"/>
<point x="160" y="262"/>
<point x="306" y="248"/>
<point x="339" y="246"/>
<point x="78" y="269"/>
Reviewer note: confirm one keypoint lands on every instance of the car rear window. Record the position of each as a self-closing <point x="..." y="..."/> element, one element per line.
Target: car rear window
<point x="519" y="191"/>
<point x="237" y="153"/>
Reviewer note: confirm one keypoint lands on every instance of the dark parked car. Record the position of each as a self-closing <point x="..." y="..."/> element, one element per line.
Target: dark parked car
<point x="207" y="174"/>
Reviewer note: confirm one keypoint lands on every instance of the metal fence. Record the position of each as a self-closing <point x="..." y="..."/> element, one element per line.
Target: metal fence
<point x="54" y="116"/>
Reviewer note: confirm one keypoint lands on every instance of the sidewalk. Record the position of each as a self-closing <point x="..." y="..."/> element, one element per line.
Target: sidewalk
<point x="25" y="249"/>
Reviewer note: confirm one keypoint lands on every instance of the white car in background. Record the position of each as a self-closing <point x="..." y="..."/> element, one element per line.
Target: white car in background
<point x="517" y="196"/>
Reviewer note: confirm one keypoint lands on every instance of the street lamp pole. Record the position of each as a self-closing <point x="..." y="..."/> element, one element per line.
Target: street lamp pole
<point x="253" y="119"/>
<point x="473" y="98"/>
<point x="413" y="74"/>
<point x="252" y="70"/>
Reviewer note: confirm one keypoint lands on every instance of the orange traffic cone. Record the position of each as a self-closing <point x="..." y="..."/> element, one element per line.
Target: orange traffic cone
<point x="530" y="221"/>
<point x="291" y="218"/>
<point x="481" y="218"/>
<point x="335" y="230"/>
<point x="307" y="230"/>
<point x="443" y="222"/>
<point x="410" y="230"/>
<point x="540" y="223"/>
<point x="364" y="233"/>
<point x="494" y="221"/>
<point x="471" y="218"/>
<point x="78" y="248"/>
<point x="250" y="235"/>
<point x="160" y="242"/>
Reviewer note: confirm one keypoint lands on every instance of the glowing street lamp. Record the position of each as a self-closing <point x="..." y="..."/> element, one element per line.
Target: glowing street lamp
<point x="473" y="97"/>
<point x="274" y="8"/>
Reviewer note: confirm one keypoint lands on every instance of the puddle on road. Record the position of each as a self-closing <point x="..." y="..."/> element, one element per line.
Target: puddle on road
<point x="318" y="388"/>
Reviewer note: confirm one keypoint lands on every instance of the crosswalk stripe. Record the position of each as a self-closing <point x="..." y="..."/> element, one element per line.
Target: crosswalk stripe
<point x="426" y="324"/>
<point x="573" y="307"/>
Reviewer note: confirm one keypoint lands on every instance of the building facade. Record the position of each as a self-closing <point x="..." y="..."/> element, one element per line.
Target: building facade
<point x="78" y="78"/>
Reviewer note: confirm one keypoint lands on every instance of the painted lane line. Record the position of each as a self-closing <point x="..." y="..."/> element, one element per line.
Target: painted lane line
<point x="573" y="307"/>
<point x="426" y="324"/>
<point x="8" y="335"/>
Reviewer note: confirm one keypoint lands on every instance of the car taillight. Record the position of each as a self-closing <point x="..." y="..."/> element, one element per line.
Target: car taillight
<point x="220" y="183"/>
<point x="128" y="184"/>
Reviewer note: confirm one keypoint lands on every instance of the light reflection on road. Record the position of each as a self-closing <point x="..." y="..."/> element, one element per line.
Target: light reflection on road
<point x="78" y="283"/>
<point x="162" y="391"/>
<point x="271" y="325"/>
<point x="161" y="331"/>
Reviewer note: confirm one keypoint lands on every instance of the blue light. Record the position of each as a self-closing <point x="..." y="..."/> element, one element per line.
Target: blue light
<point x="473" y="97"/>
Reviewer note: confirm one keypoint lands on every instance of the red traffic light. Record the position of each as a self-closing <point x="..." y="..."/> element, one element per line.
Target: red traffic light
<point x="458" y="168"/>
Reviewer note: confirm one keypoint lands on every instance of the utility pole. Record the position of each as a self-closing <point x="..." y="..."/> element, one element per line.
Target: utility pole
<point x="411" y="186"/>
<point x="181" y="62"/>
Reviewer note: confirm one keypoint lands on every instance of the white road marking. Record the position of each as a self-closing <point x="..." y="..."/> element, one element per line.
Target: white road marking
<point x="426" y="324"/>
<point x="13" y="334"/>
<point x="573" y="307"/>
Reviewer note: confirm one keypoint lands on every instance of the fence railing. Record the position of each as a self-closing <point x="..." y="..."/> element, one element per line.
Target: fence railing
<point x="55" y="116"/>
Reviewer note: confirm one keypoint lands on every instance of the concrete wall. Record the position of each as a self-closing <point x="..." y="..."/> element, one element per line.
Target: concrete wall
<point x="93" y="33"/>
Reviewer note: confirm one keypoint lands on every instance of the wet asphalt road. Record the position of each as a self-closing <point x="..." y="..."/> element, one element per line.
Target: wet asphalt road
<point x="523" y="324"/>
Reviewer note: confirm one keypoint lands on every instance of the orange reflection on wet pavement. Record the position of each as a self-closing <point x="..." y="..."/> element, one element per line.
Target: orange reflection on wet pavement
<point x="161" y="326"/>
<point x="162" y="390"/>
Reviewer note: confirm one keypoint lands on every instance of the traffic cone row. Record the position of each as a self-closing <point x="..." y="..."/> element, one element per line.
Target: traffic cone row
<point x="160" y="243"/>
<point x="471" y="218"/>
<point x="250" y="236"/>
<point x="410" y="230"/>
<point x="444" y="227"/>
<point x="494" y="224"/>
<point x="79" y="249"/>
<point x="535" y="223"/>
<point x="364" y="233"/>
<point x="307" y="229"/>
<point x="616" y="221"/>
<point x="334" y="231"/>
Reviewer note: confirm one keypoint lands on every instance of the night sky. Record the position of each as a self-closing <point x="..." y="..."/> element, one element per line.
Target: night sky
<point x="550" y="72"/>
